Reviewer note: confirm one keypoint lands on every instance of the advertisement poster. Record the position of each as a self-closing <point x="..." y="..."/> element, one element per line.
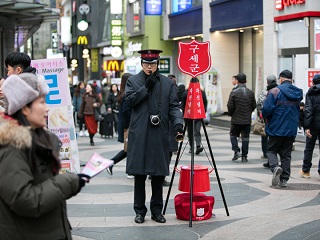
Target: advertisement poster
<point x="213" y="92"/>
<point x="60" y="116"/>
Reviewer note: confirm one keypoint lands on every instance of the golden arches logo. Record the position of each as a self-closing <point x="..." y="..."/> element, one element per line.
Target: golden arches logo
<point x="113" y="65"/>
<point x="82" y="40"/>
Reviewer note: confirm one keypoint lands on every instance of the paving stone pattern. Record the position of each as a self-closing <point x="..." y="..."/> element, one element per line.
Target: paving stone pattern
<point x="104" y="208"/>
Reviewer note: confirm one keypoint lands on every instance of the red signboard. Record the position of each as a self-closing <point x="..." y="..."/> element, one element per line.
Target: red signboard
<point x="194" y="57"/>
<point x="280" y="4"/>
<point x="311" y="73"/>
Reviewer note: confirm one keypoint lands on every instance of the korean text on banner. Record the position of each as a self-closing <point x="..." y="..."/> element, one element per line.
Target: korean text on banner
<point x="60" y="116"/>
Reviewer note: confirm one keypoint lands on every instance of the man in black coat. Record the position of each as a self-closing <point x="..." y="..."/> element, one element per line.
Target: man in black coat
<point x="241" y="104"/>
<point x="153" y="100"/>
<point x="311" y="125"/>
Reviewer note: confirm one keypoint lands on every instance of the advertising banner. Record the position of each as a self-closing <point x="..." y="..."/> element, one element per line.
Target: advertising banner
<point x="60" y="116"/>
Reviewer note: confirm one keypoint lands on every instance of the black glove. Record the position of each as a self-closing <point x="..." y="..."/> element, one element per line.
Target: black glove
<point x="152" y="79"/>
<point x="178" y="128"/>
<point x="83" y="179"/>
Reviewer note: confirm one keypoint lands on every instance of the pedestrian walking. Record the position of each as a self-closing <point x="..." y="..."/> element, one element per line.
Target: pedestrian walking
<point x="271" y="83"/>
<point x="153" y="100"/>
<point x="123" y="123"/>
<point x="33" y="194"/>
<point x="240" y="105"/>
<point x="113" y="106"/>
<point x="281" y="109"/>
<point x="311" y="125"/>
<point x="76" y="102"/>
<point x="90" y="101"/>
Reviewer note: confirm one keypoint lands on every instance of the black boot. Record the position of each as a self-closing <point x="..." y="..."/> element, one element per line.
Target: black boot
<point x="91" y="139"/>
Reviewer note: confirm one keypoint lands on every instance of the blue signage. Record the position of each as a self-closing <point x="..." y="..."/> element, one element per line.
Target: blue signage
<point x="180" y="5"/>
<point x="153" y="7"/>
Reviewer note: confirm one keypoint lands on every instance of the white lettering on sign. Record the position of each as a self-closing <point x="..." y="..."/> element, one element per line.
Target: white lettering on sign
<point x="280" y="4"/>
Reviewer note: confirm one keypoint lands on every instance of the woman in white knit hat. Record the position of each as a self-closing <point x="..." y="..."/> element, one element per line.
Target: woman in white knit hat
<point x="32" y="192"/>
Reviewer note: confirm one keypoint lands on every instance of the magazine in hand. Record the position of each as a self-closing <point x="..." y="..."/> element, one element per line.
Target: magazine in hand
<point x="96" y="164"/>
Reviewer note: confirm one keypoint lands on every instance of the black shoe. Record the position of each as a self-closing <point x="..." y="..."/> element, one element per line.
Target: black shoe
<point x="158" y="218"/>
<point x="165" y="183"/>
<point x="236" y="156"/>
<point x="109" y="170"/>
<point x="199" y="150"/>
<point x="92" y="143"/>
<point x="139" y="218"/>
<point x="266" y="165"/>
<point x="244" y="159"/>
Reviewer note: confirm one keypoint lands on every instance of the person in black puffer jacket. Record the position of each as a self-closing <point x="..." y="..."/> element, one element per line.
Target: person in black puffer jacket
<point x="311" y="125"/>
<point x="241" y="104"/>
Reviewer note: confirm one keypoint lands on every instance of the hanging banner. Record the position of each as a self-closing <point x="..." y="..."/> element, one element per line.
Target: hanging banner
<point x="60" y="116"/>
<point x="194" y="108"/>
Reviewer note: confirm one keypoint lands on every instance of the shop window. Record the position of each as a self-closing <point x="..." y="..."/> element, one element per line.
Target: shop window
<point x="289" y="32"/>
<point x="317" y="35"/>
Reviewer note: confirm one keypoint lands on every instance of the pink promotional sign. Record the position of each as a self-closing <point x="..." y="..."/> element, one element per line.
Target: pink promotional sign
<point x="194" y="57"/>
<point x="60" y="115"/>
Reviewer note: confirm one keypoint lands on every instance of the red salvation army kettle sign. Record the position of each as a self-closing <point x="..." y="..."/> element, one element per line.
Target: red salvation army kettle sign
<point x="194" y="59"/>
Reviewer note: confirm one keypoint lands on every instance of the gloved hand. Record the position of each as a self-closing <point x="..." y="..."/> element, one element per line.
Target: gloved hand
<point x="83" y="179"/>
<point x="152" y="79"/>
<point x="178" y="128"/>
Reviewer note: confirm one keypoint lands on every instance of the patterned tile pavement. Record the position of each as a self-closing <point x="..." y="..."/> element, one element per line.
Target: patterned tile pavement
<point x="104" y="208"/>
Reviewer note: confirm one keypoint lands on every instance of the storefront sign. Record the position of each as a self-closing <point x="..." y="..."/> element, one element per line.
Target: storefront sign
<point x="164" y="65"/>
<point x="134" y="47"/>
<point x="116" y="32"/>
<point x="280" y="4"/>
<point x="311" y="72"/>
<point x="153" y="7"/>
<point x="113" y="65"/>
<point x="181" y="5"/>
<point x="82" y="40"/>
<point x="94" y="60"/>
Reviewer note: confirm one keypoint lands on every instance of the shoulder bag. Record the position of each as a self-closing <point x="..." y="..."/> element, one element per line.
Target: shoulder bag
<point x="259" y="128"/>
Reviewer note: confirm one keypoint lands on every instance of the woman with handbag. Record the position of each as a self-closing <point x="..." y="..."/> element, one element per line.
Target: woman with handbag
<point x="124" y="121"/>
<point x="90" y="101"/>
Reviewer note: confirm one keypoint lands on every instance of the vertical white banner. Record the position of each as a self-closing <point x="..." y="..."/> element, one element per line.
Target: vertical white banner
<point x="60" y="116"/>
<point x="213" y="92"/>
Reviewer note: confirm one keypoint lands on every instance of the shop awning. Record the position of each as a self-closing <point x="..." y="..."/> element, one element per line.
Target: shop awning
<point x="25" y="17"/>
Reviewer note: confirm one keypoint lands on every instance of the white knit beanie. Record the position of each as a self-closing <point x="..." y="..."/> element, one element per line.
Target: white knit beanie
<point x="19" y="90"/>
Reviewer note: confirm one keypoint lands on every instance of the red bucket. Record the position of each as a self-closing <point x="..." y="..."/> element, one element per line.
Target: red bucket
<point x="201" y="181"/>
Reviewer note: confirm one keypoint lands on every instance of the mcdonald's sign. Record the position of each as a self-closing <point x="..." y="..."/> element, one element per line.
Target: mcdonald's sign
<point x="82" y="40"/>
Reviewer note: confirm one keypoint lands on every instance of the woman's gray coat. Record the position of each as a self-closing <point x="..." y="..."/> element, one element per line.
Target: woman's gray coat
<point x="148" y="146"/>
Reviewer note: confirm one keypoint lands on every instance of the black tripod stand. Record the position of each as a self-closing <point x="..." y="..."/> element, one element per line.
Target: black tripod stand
<point x="192" y="169"/>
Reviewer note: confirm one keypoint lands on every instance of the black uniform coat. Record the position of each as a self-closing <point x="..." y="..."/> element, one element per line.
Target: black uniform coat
<point x="148" y="147"/>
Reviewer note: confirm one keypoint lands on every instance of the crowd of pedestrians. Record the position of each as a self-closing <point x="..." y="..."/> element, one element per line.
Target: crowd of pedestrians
<point x="148" y="114"/>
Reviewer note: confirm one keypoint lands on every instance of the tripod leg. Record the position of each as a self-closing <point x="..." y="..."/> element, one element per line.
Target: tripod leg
<point x="173" y="172"/>
<point x="191" y="174"/>
<point x="215" y="168"/>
